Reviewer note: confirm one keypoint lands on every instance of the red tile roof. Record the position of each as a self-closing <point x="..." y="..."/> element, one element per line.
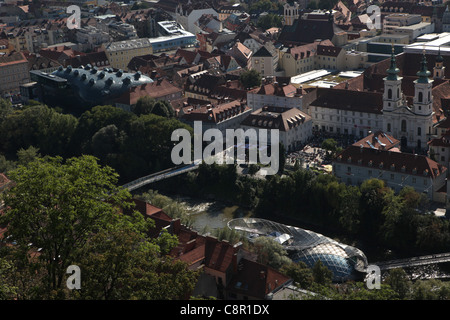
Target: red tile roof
<point x="218" y="254"/>
<point x="276" y="118"/>
<point x="378" y="140"/>
<point x="343" y="99"/>
<point x="216" y="114"/>
<point x="395" y="161"/>
<point x="256" y="280"/>
<point x="157" y="89"/>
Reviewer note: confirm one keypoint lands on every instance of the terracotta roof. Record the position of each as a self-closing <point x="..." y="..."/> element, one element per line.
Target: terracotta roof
<point x="307" y="31"/>
<point x="360" y="101"/>
<point x="98" y="59"/>
<point x="218" y="254"/>
<point x="276" y="118"/>
<point x="277" y="89"/>
<point x="408" y="163"/>
<point x="307" y="50"/>
<point x="378" y="140"/>
<point x="12" y="58"/>
<point x="188" y="55"/>
<point x="256" y="280"/>
<point x="215" y="114"/>
<point x="330" y="51"/>
<point x="156" y="90"/>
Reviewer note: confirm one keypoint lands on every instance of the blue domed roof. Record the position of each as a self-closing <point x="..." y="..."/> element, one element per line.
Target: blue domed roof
<point x="94" y="86"/>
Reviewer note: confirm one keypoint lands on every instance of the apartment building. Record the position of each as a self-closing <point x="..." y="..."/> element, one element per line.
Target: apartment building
<point x="275" y="94"/>
<point x="356" y="164"/>
<point x="13" y="72"/>
<point x="120" y="53"/>
<point x="90" y="36"/>
<point x="295" y="126"/>
<point x="265" y="60"/>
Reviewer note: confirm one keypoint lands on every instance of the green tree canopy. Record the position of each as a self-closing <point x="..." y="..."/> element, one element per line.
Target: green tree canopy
<point x="38" y="126"/>
<point x="55" y="206"/>
<point x="270" y="252"/>
<point x="250" y="78"/>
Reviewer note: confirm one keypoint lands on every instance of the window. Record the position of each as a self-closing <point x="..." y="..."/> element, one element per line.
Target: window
<point x="404" y="125"/>
<point x="392" y="176"/>
<point x="419" y="131"/>
<point x="420" y="96"/>
<point x="390" y="94"/>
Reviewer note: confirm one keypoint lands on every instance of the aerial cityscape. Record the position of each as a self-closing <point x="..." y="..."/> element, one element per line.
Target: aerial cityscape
<point x="224" y="150"/>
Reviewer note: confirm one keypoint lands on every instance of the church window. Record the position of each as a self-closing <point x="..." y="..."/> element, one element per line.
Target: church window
<point x="390" y="94"/>
<point x="404" y="125"/>
<point x="419" y="131"/>
<point x="420" y="96"/>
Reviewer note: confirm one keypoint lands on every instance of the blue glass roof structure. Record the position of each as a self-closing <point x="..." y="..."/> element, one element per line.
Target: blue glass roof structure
<point x="94" y="86"/>
<point x="306" y="246"/>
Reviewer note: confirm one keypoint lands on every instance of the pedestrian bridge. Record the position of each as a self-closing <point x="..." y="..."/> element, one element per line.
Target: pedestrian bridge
<point x="414" y="262"/>
<point x="161" y="175"/>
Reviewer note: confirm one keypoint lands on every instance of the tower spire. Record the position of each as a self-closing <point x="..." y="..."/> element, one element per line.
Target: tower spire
<point x="423" y="73"/>
<point x="393" y="70"/>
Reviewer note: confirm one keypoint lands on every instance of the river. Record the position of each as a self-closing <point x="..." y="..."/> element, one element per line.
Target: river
<point x="209" y="215"/>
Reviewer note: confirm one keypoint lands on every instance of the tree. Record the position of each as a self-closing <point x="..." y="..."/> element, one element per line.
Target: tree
<point x="250" y="78"/>
<point x="38" y="126"/>
<point x="322" y="275"/>
<point x="163" y="109"/>
<point x="56" y="206"/>
<point x="398" y="280"/>
<point x="119" y="263"/>
<point x="269" y="21"/>
<point x="144" y="105"/>
<point x="5" y="109"/>
<point x="25" y="156"/>
<point x="300" y="273"/>
<point x="270" y="252"/>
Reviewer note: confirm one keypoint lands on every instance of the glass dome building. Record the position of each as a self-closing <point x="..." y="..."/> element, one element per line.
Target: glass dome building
<point x="307" y="246"/>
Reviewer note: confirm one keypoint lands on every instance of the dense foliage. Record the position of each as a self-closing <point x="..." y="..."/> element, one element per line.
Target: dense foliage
<point x="372" y="211"/>
<point x="133" y="144"/>
<point x="61" y="213"/>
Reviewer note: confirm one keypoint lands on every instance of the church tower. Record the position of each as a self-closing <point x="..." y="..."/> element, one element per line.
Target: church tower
<point x="392" y="96"/>
<point x="423" y="104"/>
<point x="423" y="98"/>
<point x="290" y="13"/>
<point x="439" y="69"/>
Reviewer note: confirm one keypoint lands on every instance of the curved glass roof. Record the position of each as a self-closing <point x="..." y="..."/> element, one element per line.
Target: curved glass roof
<point x="94" y="85"/>
<point x="307" y="246"/>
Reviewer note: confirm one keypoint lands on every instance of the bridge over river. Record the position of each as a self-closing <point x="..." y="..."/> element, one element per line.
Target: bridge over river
<point x="161" y="175"/>
<point x="414" y="261"/>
